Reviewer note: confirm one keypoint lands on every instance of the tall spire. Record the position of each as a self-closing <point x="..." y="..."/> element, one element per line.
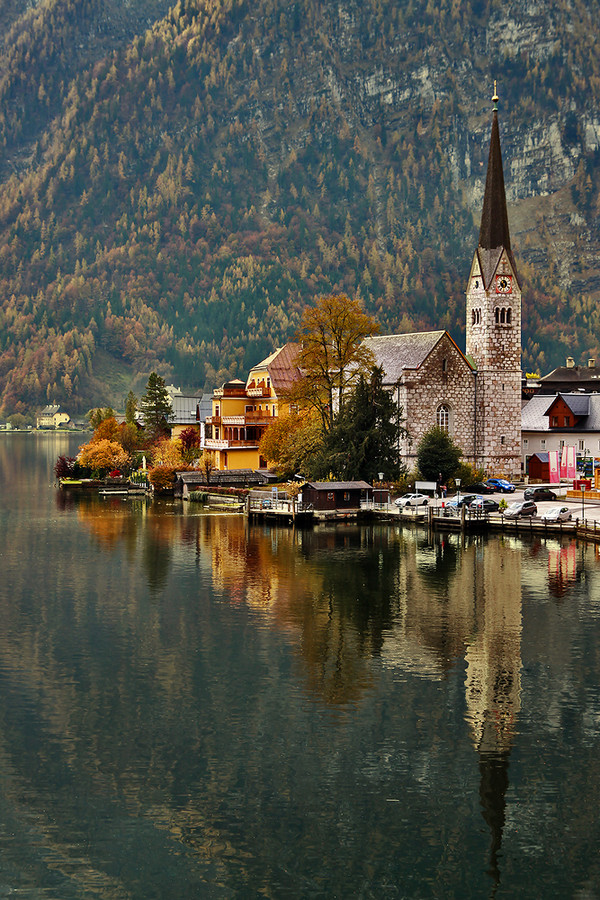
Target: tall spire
<point x="494" y="231"/>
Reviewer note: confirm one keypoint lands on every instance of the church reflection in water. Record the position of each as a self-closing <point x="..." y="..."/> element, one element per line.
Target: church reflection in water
<point x="421" y="607"/>
<point x="493" y="681"/>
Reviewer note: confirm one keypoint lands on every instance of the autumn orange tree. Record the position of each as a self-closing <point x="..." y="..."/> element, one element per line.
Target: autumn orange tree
<point x="332" y="355"/>
<point x="102" y="456"/>
<point x="291" y="443"/>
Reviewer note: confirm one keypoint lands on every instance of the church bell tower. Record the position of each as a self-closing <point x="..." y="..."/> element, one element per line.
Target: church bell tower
<point x="494" y="328"/>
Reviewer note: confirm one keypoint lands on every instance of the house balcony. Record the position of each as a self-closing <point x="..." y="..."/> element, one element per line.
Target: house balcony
<point x="259" y="390"/>
<point x="259" y="417"/>
<point x="222" y="444"/>
<point x="233" y="420"/>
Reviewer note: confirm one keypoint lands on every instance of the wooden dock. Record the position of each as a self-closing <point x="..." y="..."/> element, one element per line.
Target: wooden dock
<point x="288" y="512"/>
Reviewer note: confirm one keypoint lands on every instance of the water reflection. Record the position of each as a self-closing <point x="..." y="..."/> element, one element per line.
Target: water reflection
<point x="242" y="710"/>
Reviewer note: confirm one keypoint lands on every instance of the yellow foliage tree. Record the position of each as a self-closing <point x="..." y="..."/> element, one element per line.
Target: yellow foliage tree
<point x="103" y="456"/>
<point x="168" y="453"/>
<point x="332" y="356"/>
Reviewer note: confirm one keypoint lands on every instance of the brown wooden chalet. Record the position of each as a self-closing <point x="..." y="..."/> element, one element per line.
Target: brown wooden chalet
<point x="568" y="411"/>
<point x="336" y="494"/>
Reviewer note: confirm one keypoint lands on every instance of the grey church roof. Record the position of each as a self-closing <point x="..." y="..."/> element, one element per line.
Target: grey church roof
<point x="534" y="414"/>
<point x="396" y="352"/>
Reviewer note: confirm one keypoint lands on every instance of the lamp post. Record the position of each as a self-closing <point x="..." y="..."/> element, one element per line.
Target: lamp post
<point x="583" y="504"/>
<point x="457" y="481"/>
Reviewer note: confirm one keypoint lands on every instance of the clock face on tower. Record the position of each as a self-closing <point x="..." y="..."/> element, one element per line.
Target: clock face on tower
<point x="503" y="284"/>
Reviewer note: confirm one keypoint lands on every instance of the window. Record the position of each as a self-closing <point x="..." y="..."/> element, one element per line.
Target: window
<point x="561" y="444"/>
<point x="330" y="495"/>
<point x="582" y="445"/>
<point x="543" y="444"/>
<point x="443" y="417"/>
<point x="567" y="421"/>
<point x="503" y="316"/>
<point x="554" y="422"/>
<point x="525" y="443"/>
<point x="444" y="365"/>
<point x="502" y="439"/>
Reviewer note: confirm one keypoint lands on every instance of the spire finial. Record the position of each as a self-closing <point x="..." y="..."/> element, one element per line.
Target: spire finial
<point x="495" y="98"/>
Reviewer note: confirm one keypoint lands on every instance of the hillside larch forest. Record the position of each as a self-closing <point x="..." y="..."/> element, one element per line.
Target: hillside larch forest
<point x="176" y="184"/>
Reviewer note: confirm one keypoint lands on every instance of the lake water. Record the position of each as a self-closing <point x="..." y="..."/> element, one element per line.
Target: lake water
<point x="191" y="707"/>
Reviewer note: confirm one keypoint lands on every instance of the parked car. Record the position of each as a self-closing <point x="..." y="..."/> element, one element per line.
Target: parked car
<point x="411" y="500"/>
<point x="557" y="514"/>
<point x="479" y="488"/>
<point x="484" y="505"/>
<point x="452" y="507"/>
<point x="524" y="508"/>
<point x="539" y="493"/>
<point x="500" y="484"/>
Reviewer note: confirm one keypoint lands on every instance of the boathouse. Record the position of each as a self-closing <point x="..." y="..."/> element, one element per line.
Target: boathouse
<point x="336" y="494"/>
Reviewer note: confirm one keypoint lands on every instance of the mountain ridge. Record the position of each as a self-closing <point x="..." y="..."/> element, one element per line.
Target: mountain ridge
<point x="176" y="197"/>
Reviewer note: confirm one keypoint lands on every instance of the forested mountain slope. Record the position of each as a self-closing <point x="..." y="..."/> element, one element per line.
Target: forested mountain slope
<point x="177" y="185"/>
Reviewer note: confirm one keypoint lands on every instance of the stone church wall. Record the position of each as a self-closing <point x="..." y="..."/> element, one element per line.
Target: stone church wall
<point x="424" y="390"/>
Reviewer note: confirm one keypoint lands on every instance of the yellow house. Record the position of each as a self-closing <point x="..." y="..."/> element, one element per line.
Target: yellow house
<point x="241" y="412"/>
<point x="52" y="417"/>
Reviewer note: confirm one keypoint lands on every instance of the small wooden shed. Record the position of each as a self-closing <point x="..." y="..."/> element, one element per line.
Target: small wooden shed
<point x="538" y="466"/>
<point x="336" y="494"/>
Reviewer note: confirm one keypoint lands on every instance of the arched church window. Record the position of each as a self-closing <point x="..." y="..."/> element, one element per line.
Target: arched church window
<point x="443" y="417"/>
<point x="502" y="316"/>
<point x="497" y="315"/>
<point x="509" y="316"/>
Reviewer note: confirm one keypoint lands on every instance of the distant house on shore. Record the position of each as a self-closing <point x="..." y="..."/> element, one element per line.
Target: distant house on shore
<point x="189" y="412"/>
<point x="52" y="417"/>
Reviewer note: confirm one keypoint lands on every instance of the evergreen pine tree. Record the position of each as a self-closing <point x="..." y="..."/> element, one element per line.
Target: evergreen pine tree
<point x="364" y="440"/>
<point x="130" y="408"/>
<point x="156" y="407"/>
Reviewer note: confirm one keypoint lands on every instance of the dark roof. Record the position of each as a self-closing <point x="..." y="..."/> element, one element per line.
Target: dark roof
<point x="575" y="375"/>
<point x="396" y="352"/>
<point x="184" y="409"/>
<point x="542" y="455"/>
<point x="338" y="485"/>
<point x="494" y="234"/>
<point x="579" y="404"/>
<point x="224" y="477"/>
<point x="534" y="414"/>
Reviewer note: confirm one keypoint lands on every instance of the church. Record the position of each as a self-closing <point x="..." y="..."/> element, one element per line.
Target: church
<point x="474" y="396"/>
